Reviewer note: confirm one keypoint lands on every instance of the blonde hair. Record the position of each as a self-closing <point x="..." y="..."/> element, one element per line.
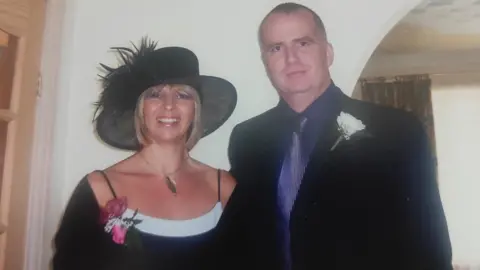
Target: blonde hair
<point x="194" y="133"/>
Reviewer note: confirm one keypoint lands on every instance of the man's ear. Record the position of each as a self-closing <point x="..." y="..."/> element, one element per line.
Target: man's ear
<point x="330" y="54"/>
<point x="263" y="57"/>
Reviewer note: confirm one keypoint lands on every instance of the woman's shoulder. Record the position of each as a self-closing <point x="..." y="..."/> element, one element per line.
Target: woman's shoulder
<point x="82" y="189"/>
<point x="104" y="183"/>
<point x="227" y="185"/>
<point x="213" y="172"/>
<point x="218" y="178"/>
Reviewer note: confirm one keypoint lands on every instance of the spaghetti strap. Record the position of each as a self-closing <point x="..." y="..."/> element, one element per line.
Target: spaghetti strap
<point x="218" y="179"/>
<point x="108" y="183"/>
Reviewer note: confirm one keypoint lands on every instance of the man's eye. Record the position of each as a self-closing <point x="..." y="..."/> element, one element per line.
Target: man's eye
<point x="275" y="48"/>
<point x="304" y="43"/>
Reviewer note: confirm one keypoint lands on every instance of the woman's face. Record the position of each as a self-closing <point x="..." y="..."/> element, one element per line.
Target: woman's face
<point x="169" y="111"/>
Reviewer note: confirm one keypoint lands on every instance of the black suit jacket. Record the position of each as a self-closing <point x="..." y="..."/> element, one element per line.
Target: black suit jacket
<point x="370" y="203"/>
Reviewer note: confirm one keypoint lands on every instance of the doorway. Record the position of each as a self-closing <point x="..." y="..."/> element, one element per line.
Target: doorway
<point x="438" y="43"/>
<point x="21" y="29"/>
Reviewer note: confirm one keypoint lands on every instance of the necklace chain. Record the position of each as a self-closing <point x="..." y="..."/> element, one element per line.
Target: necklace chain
<point x="171" y="183"/>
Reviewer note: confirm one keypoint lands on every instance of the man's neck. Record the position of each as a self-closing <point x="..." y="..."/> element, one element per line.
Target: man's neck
<point x="299" y="102"/>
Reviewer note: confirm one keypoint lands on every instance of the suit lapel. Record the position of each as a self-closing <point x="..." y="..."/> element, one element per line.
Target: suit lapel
<point x="275" y="144"/>
<point x="322" y="160"/>
<point x="322" y="157"/>
<point x="319" y="159"/>
<point x="325" y="163"/>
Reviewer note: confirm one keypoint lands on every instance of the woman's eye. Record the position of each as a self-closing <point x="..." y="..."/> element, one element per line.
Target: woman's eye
<point x="184" y="95"/>
<point x="153" y="94"/>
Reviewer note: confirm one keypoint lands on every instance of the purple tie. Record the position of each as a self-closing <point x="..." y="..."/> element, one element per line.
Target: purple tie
<point x="289" y="182"/>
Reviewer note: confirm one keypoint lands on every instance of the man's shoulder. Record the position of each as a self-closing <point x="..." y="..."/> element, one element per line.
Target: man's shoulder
<point x="385" y="120"/>
<point x="258" y="122"/>
<point x="373" y="108"/>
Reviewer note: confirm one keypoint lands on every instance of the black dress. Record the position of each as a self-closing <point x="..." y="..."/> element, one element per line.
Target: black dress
<point x="82" y="243"/>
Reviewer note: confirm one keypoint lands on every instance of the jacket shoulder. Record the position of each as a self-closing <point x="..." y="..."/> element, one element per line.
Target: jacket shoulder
<point x="257" y="122"/>
<point x="390" y="123"/>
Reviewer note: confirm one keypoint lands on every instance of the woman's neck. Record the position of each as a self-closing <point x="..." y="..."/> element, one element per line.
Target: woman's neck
<point x="164" y="159"/>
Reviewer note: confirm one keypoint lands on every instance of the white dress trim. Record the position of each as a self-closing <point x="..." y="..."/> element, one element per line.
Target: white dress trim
<point x="178" y="228"/>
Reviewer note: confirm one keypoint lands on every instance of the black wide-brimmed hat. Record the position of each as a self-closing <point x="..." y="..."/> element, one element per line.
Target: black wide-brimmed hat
<point x="145" y="66"/>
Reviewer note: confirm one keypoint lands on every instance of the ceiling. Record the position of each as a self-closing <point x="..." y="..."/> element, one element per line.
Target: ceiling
<point x="436" y="25"/>
<point x="438" y="34"/>
<point x="407" y="37"/>
<point x="447" y="16"/>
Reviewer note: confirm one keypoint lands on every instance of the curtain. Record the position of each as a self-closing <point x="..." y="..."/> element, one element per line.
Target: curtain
<point x="410" y="93"/>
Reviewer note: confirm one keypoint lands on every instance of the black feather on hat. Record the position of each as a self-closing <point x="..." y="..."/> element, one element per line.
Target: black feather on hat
<point x="145" y="66"/>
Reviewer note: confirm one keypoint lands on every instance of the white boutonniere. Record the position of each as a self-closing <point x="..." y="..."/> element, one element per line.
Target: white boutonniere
<point x="347" y="126"/>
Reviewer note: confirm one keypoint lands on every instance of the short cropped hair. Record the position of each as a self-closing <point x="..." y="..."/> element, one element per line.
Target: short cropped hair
<point x="288" y="8"/>
<point x="195" y="131"/>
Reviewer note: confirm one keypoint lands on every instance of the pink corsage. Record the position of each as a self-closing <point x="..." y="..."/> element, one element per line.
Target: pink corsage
<point x="113" y="209"/>
<point x="121" y="228"/>
<point x="119" y="232"/>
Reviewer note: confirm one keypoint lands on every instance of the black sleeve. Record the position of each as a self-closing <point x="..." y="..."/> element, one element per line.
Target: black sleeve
<point x="78" y="242"/>
<point x="426" y="217"/>
<point x="233" y="154"/>
<point x="244" y="242"/>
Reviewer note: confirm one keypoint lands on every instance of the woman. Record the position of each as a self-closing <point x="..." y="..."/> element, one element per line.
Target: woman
<point x="159" y="208"/>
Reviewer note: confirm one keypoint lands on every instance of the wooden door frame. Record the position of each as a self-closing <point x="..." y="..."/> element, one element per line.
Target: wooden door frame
<point x="38" y="238"/>
<point x="25" y="20"/>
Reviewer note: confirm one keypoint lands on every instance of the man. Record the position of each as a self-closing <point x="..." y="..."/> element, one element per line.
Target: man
<point x="335" y="183"/>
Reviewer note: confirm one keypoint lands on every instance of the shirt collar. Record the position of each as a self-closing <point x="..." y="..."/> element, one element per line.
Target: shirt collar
<point x="325" y="103"/>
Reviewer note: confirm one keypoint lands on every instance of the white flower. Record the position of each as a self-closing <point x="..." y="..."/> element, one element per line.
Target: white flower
<point x="347" y="126"/>
<point x="121" y="221"/>
<point x="112" y="222"/>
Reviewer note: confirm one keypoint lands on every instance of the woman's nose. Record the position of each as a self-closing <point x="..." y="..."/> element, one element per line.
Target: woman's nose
<point x="169" y="101"/>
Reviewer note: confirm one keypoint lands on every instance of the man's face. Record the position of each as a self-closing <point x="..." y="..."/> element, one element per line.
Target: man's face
<point x="295" y="53"/>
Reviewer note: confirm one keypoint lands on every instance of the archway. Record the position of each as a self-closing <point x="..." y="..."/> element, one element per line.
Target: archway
<point x="440" y="40"/>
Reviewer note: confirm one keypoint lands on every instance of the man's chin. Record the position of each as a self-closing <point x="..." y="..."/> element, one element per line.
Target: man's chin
<point x="296" y="90"/>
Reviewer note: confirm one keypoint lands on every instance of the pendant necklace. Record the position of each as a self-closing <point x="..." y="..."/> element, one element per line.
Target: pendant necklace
<point x="171" y="183"/>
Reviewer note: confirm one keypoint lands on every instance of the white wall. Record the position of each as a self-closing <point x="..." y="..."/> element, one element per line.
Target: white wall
<point x="456" y="109"/>
<point x="422" y="62"/>
<point x="222" y="33"/>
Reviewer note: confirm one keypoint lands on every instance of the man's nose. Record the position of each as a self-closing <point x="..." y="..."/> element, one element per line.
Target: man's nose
<point x="291" y="55"/>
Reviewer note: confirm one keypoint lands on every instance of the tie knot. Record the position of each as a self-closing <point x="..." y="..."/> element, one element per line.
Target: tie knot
<point x="300" y="124"/>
